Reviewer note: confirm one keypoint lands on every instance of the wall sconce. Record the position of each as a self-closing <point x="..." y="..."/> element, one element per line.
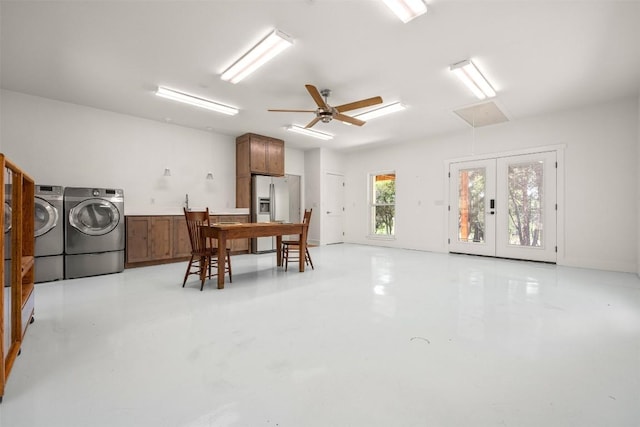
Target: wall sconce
<point x="210" y="175"/>
<point x="167" y="172"/>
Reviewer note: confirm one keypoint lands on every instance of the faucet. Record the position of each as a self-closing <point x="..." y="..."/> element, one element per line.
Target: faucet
<point x="186" y="202"/>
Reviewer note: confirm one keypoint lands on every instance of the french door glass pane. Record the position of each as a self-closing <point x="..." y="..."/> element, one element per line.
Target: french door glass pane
<point x="471" y="215"/>
<point x="525" y="186"/>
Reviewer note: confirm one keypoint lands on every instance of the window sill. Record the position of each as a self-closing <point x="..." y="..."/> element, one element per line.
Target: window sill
<point x="378" y="237"/>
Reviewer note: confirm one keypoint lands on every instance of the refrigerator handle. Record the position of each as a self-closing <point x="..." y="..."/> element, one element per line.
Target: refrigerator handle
<point x="272" y="198"/>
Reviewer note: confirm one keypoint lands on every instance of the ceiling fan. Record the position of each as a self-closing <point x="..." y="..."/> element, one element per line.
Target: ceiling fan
<point x="325" y="112"/>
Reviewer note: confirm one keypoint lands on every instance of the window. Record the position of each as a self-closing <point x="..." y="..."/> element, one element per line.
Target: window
<point x="382" y="202"/>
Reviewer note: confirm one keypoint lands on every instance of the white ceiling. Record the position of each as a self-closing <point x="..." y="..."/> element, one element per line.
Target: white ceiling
<point x="540" y="56"/>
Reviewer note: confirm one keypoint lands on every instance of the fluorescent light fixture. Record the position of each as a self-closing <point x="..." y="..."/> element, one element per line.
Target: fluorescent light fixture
<point x="195" y="100"/>
<point x="406" y="10"/>
<point x="257" y="56"/>
<point x="309" y="132"/>
<point x="380" y="111"/>
<point x="473" y="79"/>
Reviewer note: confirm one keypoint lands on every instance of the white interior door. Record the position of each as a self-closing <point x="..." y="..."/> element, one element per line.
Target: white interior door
<point x="472" y="221"/>
<point x="334" y="209"/>
<point x="504" y="207"/>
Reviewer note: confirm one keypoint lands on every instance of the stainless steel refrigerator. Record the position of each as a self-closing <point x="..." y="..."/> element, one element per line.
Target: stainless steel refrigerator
<point x="273" y="199"/>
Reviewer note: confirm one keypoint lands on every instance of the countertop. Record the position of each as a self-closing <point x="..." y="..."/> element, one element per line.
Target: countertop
<point x="178" y="211"/>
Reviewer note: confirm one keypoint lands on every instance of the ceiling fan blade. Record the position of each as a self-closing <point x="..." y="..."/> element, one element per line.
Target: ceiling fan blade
<point x="293" y="111"/>
<point x="348" y="119"/>
<point x="312" y="122"/>
<point x="316" y="96"/>
<point x="359" y="104"/>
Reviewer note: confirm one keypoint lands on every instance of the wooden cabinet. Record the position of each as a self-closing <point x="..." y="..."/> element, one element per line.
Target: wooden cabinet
<point x="155" y="240"/>
<point x="149" y="238"/>
<point x="257" y="155"/>
<point x="17" y="299"/>
<point x="181" y="243"/>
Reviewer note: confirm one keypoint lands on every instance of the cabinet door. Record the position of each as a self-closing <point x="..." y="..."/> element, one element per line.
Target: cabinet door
<point x="239" y="245"/>
<point x="259" y="155"/>
<point x="243" y="191"/>
<point x="275" y="157"/>
<point x="138" y="238"/>
<point x="161" y="237"/>
<point x="181" y="242"/>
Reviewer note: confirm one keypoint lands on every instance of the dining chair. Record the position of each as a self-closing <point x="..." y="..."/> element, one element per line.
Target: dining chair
<point x="291" y="248"/>
<point x="203" y="255"/>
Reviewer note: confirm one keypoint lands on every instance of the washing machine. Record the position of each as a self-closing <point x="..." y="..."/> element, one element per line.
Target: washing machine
<point x="94" y="231"/>
<point x="49" y="233"/>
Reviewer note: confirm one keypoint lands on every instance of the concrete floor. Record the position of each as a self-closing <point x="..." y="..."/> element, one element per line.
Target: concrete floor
<point x="371" y="337"/>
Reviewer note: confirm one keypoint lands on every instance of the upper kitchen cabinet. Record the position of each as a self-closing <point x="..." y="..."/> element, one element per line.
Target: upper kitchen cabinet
<point x="257" y="154"/>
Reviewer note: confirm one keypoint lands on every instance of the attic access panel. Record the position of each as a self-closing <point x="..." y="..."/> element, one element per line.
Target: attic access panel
<point x="485" y="114"/>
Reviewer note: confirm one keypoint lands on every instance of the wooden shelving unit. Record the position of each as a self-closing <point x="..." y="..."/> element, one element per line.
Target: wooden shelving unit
<point x="17" y="300"/>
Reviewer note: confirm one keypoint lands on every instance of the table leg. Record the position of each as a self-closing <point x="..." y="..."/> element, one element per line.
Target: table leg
<point x="222" y="258"/>
<point x="279" y="250"/>
<point x="303" y="247"/>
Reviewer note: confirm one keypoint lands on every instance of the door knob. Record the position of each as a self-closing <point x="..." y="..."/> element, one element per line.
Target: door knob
<point x="328" y="212"/>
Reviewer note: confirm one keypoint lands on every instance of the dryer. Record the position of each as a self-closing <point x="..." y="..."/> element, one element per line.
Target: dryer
<point x="49" y="233"/>
<point x="94" y="231"/>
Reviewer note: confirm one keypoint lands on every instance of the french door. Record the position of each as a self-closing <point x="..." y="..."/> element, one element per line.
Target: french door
<point x="504" y="207"/>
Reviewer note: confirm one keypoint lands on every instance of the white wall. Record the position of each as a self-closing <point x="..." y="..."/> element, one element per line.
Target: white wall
<point x="601" y="171"/>
<point x="313" y="190"/>
<point x="638" y="204"/>
<point x="71" y="145"/>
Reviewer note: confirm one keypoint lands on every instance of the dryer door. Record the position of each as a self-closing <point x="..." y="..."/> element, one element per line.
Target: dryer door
<point x="46" y="217"/>
<point x="94" y="217"/>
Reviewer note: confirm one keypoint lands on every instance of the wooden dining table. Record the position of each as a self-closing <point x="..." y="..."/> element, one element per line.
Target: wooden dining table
<point x="223" y="232"/>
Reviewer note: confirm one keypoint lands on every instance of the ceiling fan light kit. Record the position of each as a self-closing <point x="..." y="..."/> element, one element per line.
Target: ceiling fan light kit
<point x="269" y="47"/>
<point x="175" y="95"/>
<point x="473" y="79"/>
<point x="309" y="132"/>
<point x="407" y="10"/>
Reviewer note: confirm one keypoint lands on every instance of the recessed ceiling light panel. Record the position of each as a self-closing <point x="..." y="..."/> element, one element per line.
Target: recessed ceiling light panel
<point x="407" y="10"/>
<point x="473" y="79"/>
<point x="197" y="101"/>
<point x="269" y="47"/>
<point x="309" y="132"/>
<point x="381" y="111"/>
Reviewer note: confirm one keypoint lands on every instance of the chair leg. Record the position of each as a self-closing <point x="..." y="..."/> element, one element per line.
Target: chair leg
<point x="308" y="258"/>
<point x="229" y="265"/>
<point x="285" y="257"/>
<point x="205" y="263"/>
<point x="188" y="270"/>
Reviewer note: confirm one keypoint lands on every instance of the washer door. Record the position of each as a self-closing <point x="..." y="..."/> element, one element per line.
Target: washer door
<point x="94" y="217"/>
<point x="46" y="217"/>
